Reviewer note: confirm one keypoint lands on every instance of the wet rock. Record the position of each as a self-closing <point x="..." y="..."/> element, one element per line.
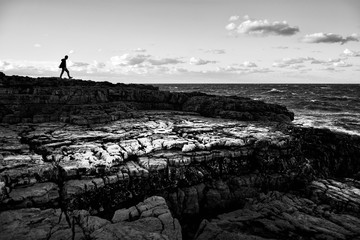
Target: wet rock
<point x="344" y="196"/>
<point x="155" y="222"/>
<point x="33" y="223"/>
<point x="151" y="216"/>
<point x="39" y="194"/>
<point x="280" y="216"/>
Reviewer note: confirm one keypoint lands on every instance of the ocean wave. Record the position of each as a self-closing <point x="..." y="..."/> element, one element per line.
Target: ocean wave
<point x="275" y="90"/>
<point x="333" y="124"/>
<point x="327" y="87"/>
<point x="338" y="98"/>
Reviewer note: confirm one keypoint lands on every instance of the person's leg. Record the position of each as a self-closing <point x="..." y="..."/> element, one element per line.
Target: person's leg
<point x="67" y="71"/>
<point x="62" y="71"/>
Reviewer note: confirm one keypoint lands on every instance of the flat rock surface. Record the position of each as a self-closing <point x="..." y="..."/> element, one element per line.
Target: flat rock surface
<point x="200" y="165"/>
<point x="87" y="158"/>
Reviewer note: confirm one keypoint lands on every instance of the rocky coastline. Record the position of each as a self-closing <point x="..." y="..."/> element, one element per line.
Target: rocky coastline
<point x="95" y="160"/>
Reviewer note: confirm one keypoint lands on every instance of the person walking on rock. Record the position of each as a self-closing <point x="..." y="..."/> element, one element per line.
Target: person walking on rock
<point x="63" y="67"/>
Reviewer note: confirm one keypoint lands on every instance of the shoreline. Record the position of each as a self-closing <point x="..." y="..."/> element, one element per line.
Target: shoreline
<point x="170" y="171"/>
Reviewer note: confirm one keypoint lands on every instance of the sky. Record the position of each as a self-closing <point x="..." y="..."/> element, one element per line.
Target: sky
<point x="183" y="41"/>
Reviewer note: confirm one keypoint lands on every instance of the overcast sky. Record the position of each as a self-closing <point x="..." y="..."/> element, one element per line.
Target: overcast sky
<point x="184" y="41"/>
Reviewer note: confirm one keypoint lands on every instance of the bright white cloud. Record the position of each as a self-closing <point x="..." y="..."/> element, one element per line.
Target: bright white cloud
<point x="262" y="27"/>
<point x="249" y="64"/>
<point x="329" y="38"/>
<point x="342" y="64"/>
<point x="330" y="61"/>
<point x="4" y="65"/>
<point x="129" y="59"/>
<point x="233" y="18"/>
<point x="349" y="53"/>
<point x="230" y="26"/>
<point x="298" y="63"/>
<point x="71" y="51"/>
<point x="199" y="61"/>
<point x="37" y="45"/>
<point x="29" y="67"/>
<point x="136" y="59"/>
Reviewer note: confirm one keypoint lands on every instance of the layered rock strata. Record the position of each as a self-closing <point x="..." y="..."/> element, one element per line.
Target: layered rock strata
<point x="60" y="180"/>
<point x="199" y="165"/>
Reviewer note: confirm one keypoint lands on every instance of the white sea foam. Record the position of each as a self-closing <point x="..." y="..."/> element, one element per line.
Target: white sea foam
<point x="324" y="122"/>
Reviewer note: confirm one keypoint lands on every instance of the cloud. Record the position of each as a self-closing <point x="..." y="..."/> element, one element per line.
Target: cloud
<point x="297" y="66"/>
<point x="350" y="53"/>
<point x="78" y="64"/>
<point x="33" y="68"/>
<point x="291" y="62"/>
<point x="164" y="61"/>
<point x="298" y="63"/>
<point x="129" y="59"/>
<point x="328" y="62"/>
<point x="199" y="61"/>
<point x="117" y="66"/>
<point x="230" y="27"/>
<point x="328" y="38"/>
<point x="215" y="51"/>
<point x="262" y="27"/>
<point x="37" y="45"/>
<point x="136" y="59"/>
<point x="281" y="47"/>
<point x="71" y="51"/>
<point x="329" y="68"/>
<point x="249" y="64"/>
<point x="342" y="64"/>
<point x="4" y="65"/>
<point x="234" y="18"/>
<point x="240" y="69"/>
<point x="139" y="50"/>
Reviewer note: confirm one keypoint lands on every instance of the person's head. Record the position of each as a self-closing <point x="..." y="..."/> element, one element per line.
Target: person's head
<point x="66" y="57"/>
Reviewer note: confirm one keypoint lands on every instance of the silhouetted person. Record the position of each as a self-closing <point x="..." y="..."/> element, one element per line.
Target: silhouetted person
<point x="63" y="67"/>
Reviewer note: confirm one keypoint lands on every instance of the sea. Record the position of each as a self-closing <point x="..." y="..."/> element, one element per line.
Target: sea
<point x="332" y="106"/>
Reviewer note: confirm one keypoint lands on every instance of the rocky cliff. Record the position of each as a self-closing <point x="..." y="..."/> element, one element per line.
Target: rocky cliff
<point x="24" y="99"/>
<point x="166" y="174"/>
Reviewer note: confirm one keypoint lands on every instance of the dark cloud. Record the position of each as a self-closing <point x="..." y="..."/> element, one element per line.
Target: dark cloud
<point x="329" y="38"/>
<point x="164" y="61"/>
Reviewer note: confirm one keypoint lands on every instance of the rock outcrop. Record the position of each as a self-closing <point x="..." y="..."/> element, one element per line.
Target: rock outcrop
<point x="278" y="215"/>
<point x="30" y="100"/>
<point x="150" y="219"/>
<point x="62" y="178"/>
